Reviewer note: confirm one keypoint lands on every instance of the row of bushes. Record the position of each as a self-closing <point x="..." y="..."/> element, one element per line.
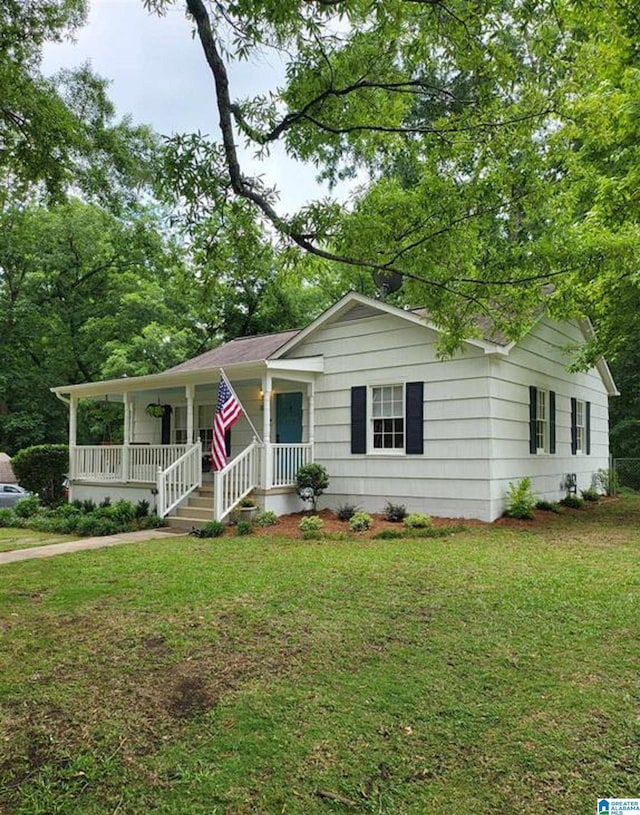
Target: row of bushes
<point x="83" y="518"/>
<point x="521" y="500"/>
<point x="362" y="521"/>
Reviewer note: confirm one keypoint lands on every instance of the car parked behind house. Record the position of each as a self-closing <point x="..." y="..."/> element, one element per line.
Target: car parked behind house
<point x="10" y="494"/>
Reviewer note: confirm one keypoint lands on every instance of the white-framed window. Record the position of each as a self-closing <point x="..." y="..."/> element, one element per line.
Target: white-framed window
<point x="205" y="425"/>
<point x="180" y="424"/>
<point x="387" y="427"/>
<point x="580" y="426"/>
<point x="542" y="420"/>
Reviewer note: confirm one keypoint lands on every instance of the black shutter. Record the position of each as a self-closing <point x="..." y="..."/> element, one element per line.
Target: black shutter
<point x="359" y="419"/>
<point x="552" y="421"/>
<point x="533" y="407"/>
<point x="414" y="418"/>
<point x="587" y="427"/>
<point x="574" y="431"/>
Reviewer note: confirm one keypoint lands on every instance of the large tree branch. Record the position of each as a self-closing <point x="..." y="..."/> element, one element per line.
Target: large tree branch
<point x="247" y="188"/>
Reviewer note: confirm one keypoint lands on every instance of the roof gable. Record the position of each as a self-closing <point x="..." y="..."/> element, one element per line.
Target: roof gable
<point x="354" y="306"/>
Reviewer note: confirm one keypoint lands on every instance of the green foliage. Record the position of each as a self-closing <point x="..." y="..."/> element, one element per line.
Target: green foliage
<point x="573" y="501"/>
<point x="7" y="518"/>
<point x="417" y="520"/>
<point x="548" y="506"/>
<point x="520" y="500"/>
<point x="244" y="527"/>
<point x="41" y="469"/>
<point x="394" y="512"/>
<point x="315" y="477"/>
<point x="266" y="518"/>
<point x="627" y="471"/>
<point x="142" y="509"/>
<point x="26" y="507"/>
<point x="212" y="529"/>
<point x="590" y="494"/>
<point x="346" y="511"/>
<point x="310" y="523"/>
<point x="389" y="534"/>
<point x="625" y="439"/>
<point x="360" y="522"/>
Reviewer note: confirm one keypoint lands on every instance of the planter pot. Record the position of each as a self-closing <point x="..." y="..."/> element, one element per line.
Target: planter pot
<point x="246" y="514"/>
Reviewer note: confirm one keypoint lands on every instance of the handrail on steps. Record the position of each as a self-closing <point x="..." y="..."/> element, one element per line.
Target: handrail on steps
<point x="179" y="479"/>
<point x="237" y="479"/>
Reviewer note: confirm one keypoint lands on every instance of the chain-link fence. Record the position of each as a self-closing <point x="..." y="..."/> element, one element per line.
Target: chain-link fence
<point x="626" y="473"/>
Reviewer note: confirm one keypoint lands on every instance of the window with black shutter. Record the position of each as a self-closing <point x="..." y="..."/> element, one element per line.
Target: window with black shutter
<point x="387" y="419"/>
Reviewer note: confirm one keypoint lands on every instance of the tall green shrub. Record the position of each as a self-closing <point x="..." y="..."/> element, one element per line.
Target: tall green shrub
<point x="41" y="469"/>
<point x="314" y="477"/>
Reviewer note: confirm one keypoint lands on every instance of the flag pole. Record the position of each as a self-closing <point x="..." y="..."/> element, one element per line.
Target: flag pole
<point x="257" y="435"/>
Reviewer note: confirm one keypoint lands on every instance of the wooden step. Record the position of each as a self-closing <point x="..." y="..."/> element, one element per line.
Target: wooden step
<point x="204" y="514"/>
<point x="201" y="501"/>
<point x="185" y="524"/>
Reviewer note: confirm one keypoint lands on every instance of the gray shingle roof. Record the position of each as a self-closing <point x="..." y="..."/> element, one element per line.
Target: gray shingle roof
<point x="244" y="349"/>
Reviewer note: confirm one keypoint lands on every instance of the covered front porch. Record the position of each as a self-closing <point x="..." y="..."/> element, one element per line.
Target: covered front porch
<point x="167" y="427"/>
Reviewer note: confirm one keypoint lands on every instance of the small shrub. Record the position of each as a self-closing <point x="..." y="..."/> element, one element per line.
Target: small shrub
<point x="312" y="477"/>
<point x="360" y="522"/>
<point x="151" y="522"/>
<point x="395" y="512"/>
<point x="266" y="518"/>
<point x="389" y="534"/>
<point x="590" y="494"/>
<point x="548" y="506"/>
<point x="247" y="503"/>
<point x="88" y="506"/>
<point x="7" y="518"/>
<point x="345" y="512"/>
<point x="42" y="469"/>
<point x="212" y="529"/>
<point x="106" y="502"/>
<point x="122" y="512"/>
<point x="92" y="525"/>
<point x="26" y="507"/>
<point x="573" y="501"/>
<point x="311" y="523"/>
<point x="520" y="500"/>
<point x="244" y="527"/>
<point x="417" y="520"/>
<point x="142" y="509"/>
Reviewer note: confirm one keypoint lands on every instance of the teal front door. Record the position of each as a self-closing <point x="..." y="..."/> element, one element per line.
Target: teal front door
<point x="288" y="418"/>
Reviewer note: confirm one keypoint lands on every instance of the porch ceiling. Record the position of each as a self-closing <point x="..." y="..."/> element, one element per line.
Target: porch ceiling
<point x="303" y="370"/>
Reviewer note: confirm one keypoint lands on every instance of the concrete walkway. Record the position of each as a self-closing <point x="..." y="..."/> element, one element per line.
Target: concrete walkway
<point x="87" y="543"/>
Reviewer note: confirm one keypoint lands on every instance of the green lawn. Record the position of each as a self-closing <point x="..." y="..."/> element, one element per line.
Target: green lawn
<point x="494" y="671"/>
<point x="11" y="539"/>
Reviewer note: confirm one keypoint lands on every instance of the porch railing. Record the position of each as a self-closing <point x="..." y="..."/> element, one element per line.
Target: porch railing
<point x="179" y="479"/>
<point x="103" y="463"/>
<point x="236" y="480"/>
<point x="137" y="463"/>
<point x="287" y="460"/>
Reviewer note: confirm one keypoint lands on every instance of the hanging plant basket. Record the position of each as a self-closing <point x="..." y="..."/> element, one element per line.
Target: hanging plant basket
<point x="155" y="410"/>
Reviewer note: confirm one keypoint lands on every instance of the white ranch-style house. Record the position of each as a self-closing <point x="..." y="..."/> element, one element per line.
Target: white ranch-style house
<point x="362" y="391"/>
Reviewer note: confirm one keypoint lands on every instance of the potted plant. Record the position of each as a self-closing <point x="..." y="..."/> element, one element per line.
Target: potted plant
<point x="155" y="410"/>
<point x="247" y="509"/>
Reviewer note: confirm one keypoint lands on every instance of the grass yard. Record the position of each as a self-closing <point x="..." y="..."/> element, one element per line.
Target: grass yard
<point x="11" y="539"/>
<point x="493" y="671"/>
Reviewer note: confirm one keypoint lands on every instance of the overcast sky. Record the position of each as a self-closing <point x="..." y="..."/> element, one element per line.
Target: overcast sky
<point x="159" y="76"/>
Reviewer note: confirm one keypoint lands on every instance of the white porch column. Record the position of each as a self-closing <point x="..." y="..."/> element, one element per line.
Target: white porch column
<point x="311" y="421"/>
<point x="73" y="432"/>
<point x="190" y="392"/>
<point x="126" y="437"/>
<point x="267" y="457"/>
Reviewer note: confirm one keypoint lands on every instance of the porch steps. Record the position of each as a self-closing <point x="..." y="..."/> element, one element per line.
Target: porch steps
<point x="197" y="512"/>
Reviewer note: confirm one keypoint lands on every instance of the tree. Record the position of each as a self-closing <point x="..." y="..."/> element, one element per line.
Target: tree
<point x="478" y="128"/>
<point x="83" y="296"/>
<point x="61" y="133"/>
<point x="441" y="105"/>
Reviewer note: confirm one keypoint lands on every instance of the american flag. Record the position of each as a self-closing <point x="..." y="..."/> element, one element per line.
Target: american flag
<point x="227" y="413"/>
